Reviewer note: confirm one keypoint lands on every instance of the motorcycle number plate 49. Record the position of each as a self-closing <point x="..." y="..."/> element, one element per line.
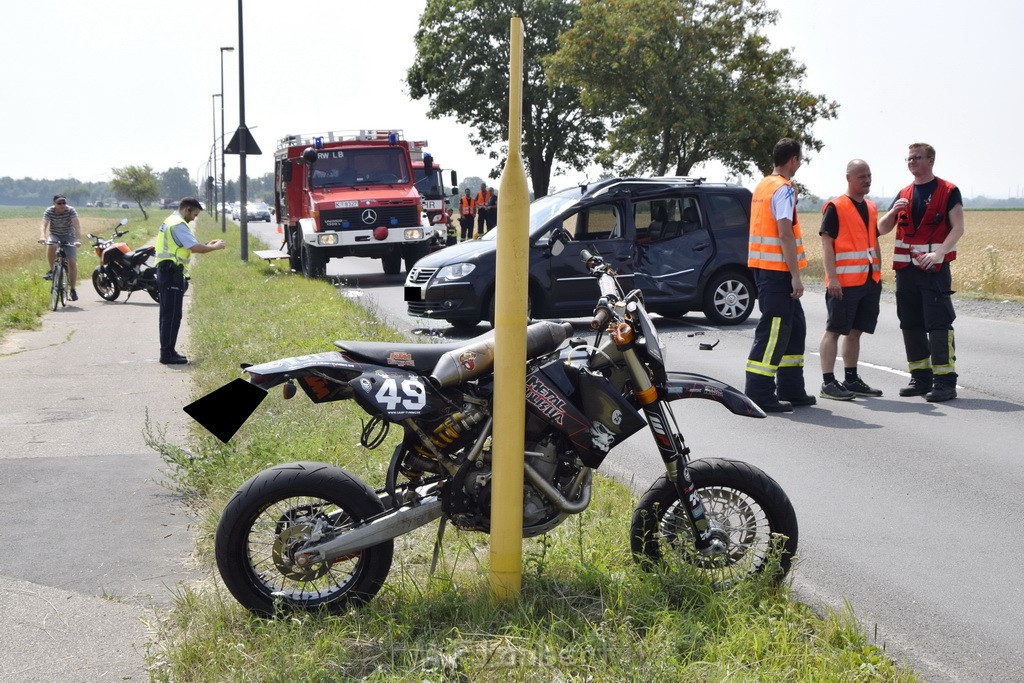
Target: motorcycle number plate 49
<point x="394" y="395"/>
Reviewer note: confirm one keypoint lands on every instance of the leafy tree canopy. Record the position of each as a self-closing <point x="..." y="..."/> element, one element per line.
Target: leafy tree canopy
<point x="175" y="183"/>
<point x="137" y="183"/>
<point x="462" y="66"/>
<point x="685" y="82"/>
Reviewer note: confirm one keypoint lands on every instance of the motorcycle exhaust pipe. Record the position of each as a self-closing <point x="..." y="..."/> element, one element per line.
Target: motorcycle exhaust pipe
<point x="378" y="531"/>
<point x="560" y="501"/>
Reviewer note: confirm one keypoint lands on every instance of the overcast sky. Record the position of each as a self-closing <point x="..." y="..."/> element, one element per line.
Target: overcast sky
<point x="92" y="85"/>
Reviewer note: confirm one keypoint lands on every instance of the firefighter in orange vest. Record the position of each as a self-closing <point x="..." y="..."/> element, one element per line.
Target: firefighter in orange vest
<point x="483" y="203"/>
<point x="853" y="281"/>
<point x="467" y="209"/>
<point x="928" y="216"/>
<point x="775" y="366"/>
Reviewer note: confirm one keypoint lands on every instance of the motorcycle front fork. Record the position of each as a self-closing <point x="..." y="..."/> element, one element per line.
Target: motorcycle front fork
<point x="673" y="451"/>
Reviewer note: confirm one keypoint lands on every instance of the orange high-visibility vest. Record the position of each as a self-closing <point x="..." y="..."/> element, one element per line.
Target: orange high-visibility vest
<point x="856" y="246"/>
<point x="932" y="231"/>
<point x="482" y="199"/>
<point x="764" y="250"/>
<point x="467" y="206"/>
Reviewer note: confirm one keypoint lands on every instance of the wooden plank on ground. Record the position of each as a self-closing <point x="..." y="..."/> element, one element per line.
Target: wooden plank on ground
<point x="270" y="254"/>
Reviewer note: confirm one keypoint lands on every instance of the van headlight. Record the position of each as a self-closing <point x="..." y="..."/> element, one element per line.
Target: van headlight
<point x="454" y="271"/>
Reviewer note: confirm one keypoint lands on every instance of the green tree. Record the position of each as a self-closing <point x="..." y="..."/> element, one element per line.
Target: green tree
<point x="137" y="183"/>
<point x="462" y="65"/>
<point x="78" y="193"/>
<point x="687" y="81"/>
<point x="261" y="189"/>
<point x="175" y="183"/>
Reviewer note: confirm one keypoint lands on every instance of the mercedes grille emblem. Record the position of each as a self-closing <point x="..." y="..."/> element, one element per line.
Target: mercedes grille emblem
<point x="369" y="216"/>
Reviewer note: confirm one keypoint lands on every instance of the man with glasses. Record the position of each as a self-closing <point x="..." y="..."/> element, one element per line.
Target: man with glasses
<point x="175" y="245"/>
<point x="928" y="216"/>
<point x="62" y="222"/>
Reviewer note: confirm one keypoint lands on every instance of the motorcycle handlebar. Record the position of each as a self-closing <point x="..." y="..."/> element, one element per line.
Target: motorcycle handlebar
<point x="601" y="317"/>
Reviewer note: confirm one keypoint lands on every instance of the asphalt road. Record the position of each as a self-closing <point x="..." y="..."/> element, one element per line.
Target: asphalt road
<point x="94" y="548"/>
<point x="909" y="511"/>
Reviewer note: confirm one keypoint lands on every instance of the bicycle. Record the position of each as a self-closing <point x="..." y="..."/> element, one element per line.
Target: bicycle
<point x="59" y="286"/>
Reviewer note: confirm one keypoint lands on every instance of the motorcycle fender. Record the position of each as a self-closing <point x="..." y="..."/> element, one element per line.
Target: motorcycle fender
<point x="691" y="385"/>
<point x="223" y="411"/>
<point x="322" y="376"/>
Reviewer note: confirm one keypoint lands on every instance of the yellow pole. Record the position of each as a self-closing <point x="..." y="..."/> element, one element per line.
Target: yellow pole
<point x="510" y="347"/>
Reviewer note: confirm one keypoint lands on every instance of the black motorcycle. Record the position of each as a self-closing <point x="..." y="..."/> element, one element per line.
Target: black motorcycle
<point x="307" y="535"/>
<point x="121" y="269"/>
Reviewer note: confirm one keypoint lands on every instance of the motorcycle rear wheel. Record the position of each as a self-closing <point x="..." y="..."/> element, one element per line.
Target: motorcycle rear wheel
<point x="745" y="508"/>
<point x="104" y="285"/>
<point x="274" y="513"/>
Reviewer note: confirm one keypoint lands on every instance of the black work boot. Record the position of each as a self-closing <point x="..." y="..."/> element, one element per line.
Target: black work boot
<point x="942" y="391"/>
<point x="920" y="384"/>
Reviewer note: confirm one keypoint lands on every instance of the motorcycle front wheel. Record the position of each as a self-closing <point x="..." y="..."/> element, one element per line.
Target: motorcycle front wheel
<point x="104" y="285"/>
<point x="746" y="510"/>
<point x="278" y="511"/>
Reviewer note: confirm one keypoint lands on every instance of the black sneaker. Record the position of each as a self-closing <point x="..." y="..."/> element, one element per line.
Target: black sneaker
<point x="917" y="387"/>
<point x="74" y="295"/>
<point x="836" y="391"/>
<point x="49" y="275"/>
<point x="860" y="388"/>
<point x="940" y="394"/>
<point x="176" y="359"/>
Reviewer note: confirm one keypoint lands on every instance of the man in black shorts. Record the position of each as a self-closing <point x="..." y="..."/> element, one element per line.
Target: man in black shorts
<point x="853" y="281"/>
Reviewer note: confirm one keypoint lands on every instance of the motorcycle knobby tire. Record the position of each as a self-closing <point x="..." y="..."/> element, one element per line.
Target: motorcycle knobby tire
<point x="271" y="513"/>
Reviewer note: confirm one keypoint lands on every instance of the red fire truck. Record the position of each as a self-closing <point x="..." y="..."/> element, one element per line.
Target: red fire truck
<point x="349" y="193"/>
<point x="431" y="186"/>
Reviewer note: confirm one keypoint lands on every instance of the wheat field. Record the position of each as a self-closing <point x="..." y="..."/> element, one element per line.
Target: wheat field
<point x="989" y="257"/>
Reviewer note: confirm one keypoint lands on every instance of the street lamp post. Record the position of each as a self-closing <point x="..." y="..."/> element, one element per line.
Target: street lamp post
<point x="223" y="136"/>
<point x="213" y="101"/>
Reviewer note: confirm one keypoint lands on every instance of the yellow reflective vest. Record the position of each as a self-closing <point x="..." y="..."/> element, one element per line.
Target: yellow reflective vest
<point x="167" y="249"/>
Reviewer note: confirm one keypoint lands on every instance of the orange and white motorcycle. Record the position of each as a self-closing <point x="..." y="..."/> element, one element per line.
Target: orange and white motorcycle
<point x="121" y="269"/>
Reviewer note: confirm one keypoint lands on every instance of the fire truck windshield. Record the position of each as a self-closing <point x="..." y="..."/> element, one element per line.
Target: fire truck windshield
<point x="360" y="166"/>
<point x="429" y="184"/>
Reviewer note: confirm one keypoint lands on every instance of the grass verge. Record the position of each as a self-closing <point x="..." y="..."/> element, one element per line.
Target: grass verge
<point x="587" y="612"/>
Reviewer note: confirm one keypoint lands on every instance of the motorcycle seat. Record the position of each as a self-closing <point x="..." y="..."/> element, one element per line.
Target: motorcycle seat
<point x="142" y="254"/>
<point x="420" y="358"/>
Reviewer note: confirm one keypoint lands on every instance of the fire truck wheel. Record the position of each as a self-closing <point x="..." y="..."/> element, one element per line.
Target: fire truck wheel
<point x="414" y="254"/>
<point x="314" y="264"/>
<point x="392" y="262"/>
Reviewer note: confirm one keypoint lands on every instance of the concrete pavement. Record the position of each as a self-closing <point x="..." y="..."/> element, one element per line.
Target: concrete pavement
<point x="93" y="547"/>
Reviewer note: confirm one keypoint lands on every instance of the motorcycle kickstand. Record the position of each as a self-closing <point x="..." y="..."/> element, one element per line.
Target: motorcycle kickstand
<point x="437" y="544"/>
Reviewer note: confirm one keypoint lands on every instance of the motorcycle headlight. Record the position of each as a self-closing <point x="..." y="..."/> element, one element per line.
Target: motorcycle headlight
<point x="454" y="271"/>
